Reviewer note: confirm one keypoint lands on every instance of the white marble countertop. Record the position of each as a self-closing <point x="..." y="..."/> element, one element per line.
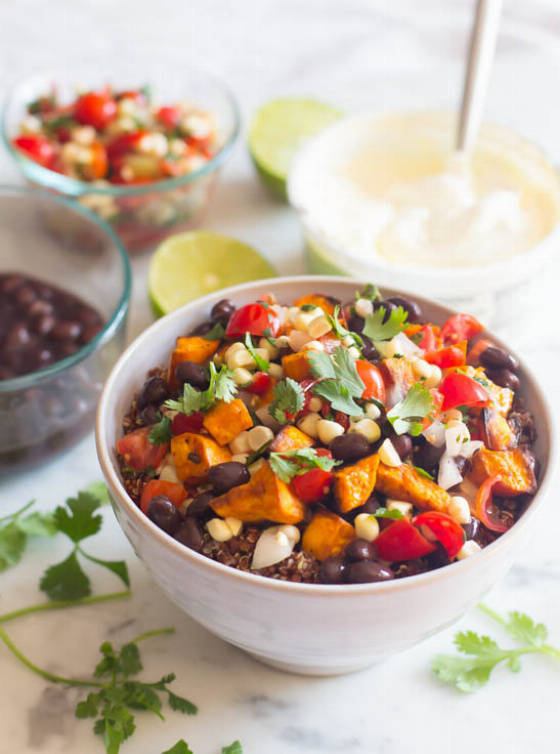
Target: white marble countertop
<point x="341" y="51"/>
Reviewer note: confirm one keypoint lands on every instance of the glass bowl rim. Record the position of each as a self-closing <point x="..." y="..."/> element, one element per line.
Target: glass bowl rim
<point x="120" y="311"/>
<point x="73" y="187"/>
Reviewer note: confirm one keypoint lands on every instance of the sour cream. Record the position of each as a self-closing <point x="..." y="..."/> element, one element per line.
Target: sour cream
<point x="391" y="189"/>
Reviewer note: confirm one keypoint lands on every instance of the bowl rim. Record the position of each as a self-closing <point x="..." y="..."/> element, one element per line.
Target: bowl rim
<point x="386" y="265"/>
<point x="113" y="323"/>
<point x="121" y="498"/>
<point x="73" y="187"/>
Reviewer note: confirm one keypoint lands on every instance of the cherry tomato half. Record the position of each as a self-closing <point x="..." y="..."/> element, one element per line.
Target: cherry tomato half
<point x="37" y="148"/>
<point x="450" y="356"/>
<point x="124" y="143"/>
<point x="460" y="390"/>
<point x="444" y="528"/>
<point x="138" y="452"/>
<point x="182" y="423"/>
<point x="175" y="492"/>
<point x="460" y="327"/>
<point x="260" y="384"/>
<point x="484" y="507"/>
<point x="315" y="483"/>
<point x="255" y="319"/>
<point x="402" y="541"/>
<point x="97" y="110"/>
<point x="372" y="379"/>
<point x="428" y="341"/>
<point x="169" y="117"/>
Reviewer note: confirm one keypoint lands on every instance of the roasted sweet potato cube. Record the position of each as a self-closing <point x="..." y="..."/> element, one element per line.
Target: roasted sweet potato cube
<point x="264" y="498"/>
<point x="327" y="303"/>
<point x="290" y="438"/>
<point x="190" y="349"/>
<point x="327" y="534"/>
<point x="516" y="467"/>
<point x="226" y="420"/>
<point x="405" y="483"/>
<point x="296" y="366"/>
<point x="353" y="484"/>
<point x="195" y="454"/>
<point x="497" y="433"/>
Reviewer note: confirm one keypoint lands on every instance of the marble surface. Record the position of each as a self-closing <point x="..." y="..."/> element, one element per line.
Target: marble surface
<point x="355" y="53"/>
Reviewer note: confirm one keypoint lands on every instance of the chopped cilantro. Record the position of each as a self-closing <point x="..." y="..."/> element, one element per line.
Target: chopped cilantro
<point x="407" y="415"/>
<point x="216" y="333"/>
<point x="288" y="400"/>
<point x="386" y="513"/>
<point x="376" y="329"/>
<point x="423" y="472"/>
<point x="222" y="388"/>
<point x="161" y="432"/>
<point x="308" y="307"/>
<point x="292" y="463"/>
<point x="341" y="331"/>
<point x="262" y="364"/>
<point x="339" y="382"/>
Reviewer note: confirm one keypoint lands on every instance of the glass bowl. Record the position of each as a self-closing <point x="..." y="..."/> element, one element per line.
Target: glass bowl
<point x="62" y="244"/>
<point x="141" y="215"/>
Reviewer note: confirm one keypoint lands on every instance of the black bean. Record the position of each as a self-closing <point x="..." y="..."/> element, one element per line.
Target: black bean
<point x="222" y="311"/>
<point x="193" y="374"/>
<point x="332" y="571"/>
<point x="149" y="415"/>
<point x="497" y="358"/>
<point x="471" y="529"/>
<point x="200" y="506"/>
<point x="40" y="308"/>
<point x="155" y="390"/>
<point x="369" y="351"/>
<point x="426" y="455"/>
<point x="67" y="349"/>
<point x="190" y="534"/>
<point x="438" y="558"/>
<point x="25" y="296"/>
<point x="67" y="331"/>
<point x="403" y="445"/>
<point x="350" y="447"/>
<point x="90" y="331"/>
<point x="504" y="378"/>
<point x="44" y="324"/>
<point x="414" y="310"/>
<point x="224" y="476"/>
<point x="366" y="571"/>
<point x="202" y="329"/>
<point x="11" y="283"/>
<point x="361" y="549"/>
<point x="18" y="335"/>
<point x="164" y="514"/>
<point x="356" y="323"/>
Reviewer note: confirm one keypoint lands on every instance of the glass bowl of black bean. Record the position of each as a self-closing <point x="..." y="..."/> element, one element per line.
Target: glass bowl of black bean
<point x="65" y="285"/>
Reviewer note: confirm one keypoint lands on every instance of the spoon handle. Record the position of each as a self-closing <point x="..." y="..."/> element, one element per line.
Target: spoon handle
<point x="481" y="54"/>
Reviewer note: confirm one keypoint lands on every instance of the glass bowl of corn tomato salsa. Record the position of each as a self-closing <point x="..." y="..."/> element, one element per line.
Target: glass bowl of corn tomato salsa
<point x="133" y="142"/>
<point x="322" y="438"/>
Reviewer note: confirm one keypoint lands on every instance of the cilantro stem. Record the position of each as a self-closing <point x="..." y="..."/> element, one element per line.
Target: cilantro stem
<point x="39" y="671"/>
<point x="62" y="604"/>
<point x="153" y="632"/>
<point x="491" y="613"/>
<point x="546" y="649"/>
<point x="19" y="512"/>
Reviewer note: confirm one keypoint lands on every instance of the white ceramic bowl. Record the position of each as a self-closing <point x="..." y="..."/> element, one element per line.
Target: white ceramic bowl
<point x="303" y="628"/>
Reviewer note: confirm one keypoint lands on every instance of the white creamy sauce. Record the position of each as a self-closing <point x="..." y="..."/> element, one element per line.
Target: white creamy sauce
<point x="395" y="191"/>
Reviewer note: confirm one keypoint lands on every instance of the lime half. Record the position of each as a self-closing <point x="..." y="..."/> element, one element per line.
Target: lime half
<point x="278" y="130"/>
<point x="189" y="265"/>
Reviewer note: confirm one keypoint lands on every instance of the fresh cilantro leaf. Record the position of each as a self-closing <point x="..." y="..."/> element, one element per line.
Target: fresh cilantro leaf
<point x="82" y="523"/>
<point x="291" y="463"/>
<point x="338" y="396"/>
<point x="423" y="472"/>
<point x="129" y="658"/>
<point x="12" y="545"/>
<point x="161" y="432"/>
<point x="190" y="402"/>
<point x="407" y="415"/>
<point x="342" y="331"/>
<point x="89" y="707"/>
<point x="234" y="748"/>
<point x="307" y="307"/>
<point x="321" y="365"/>
<point x="14" y="530"/>
<point x="222" y="388"/>
<point x="118" y="567"/>
<point x="386" y="513"/>
<point x="66" y="580"/>
<point x="99" y="491"/>
<point x="340" y="383"/>
<point x="262" y="364"/>
<point x="347" y="373"/>
<point x="181" y="747"/>
<point x="179" y="704"/>
<point x="370" y="292"/>
<point x="376" y="329"/>
<point x="38" y="524"/>
<point x="267" y="333"/>
<point x="288" y="400"/>
<point x="216" y="333"/>
<point x="525" y="630"/>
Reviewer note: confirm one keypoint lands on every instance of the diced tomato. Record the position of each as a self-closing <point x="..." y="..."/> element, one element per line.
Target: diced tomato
<point x="484" y="507"/>
<point x="123" y="144"/>
<point x="260" y="384"/>
<point x="182" y="423"/>
<point x="175" y="492"/>
<point x="460" y="390"/>
<point x="315" y="483"/>
<point x="444" y="528"/>
<point x="428" y="341"/>
<point x="95" y="109"/>
<point x="255" y="319"/>
<point x="37" y="148"/>
<point x="138" y="452"/>
<point x="169" y="117"/>
<point x="402" y="541"/>
<point x="372" y="379"/>
<point x="473" y="356"/>
<point x="460" y="327"/>
<point x="450" y="356"/>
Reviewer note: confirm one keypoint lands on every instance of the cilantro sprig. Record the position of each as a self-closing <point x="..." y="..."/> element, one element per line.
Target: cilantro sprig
<point x="161" y="432"/>
<point x="370" y="292"/>
<point x="292" y="463"/>
<point x="376" y="329"/>
<point x="406" y="416"/>
<point x="288" y="401"/>
<point x="222" y="388"/>
<point x="262" y="364"/>
<point x="339" y="382"/>
<point x="342" y="331"/>
<point x="15" y="530"/>
<point x="471" y="673"/>
<point x="386" y="513"/>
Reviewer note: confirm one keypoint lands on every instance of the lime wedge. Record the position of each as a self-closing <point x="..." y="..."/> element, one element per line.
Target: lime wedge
<point x="189" y="265"/>
<point x="278" y="130"/>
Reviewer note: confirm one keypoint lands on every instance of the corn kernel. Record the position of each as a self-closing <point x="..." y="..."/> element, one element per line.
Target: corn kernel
<point x="388" y="455"/>
<point x="328" y="430"/>
<point x="367" y="527"/>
